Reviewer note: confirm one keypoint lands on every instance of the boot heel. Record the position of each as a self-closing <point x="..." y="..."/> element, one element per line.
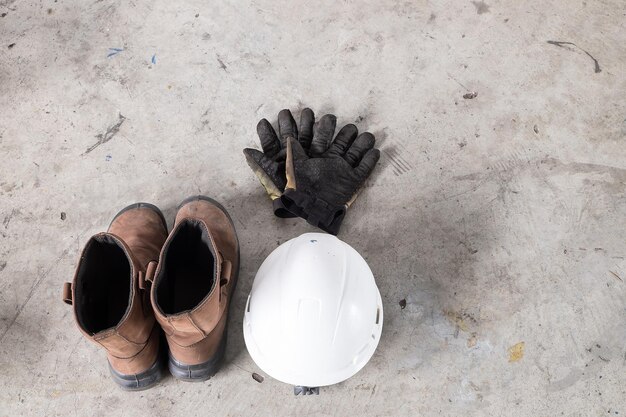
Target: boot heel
<point x="140" y="381"/>
<point x="138" y="206"/>
<point x="200" y="372"/>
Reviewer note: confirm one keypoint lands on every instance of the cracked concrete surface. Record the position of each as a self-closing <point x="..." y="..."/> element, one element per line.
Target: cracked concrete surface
<point x="498" y="219"/>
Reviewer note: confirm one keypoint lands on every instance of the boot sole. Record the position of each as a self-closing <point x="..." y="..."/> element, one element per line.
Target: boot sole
<point x="141" y="205"/>
<point x="142" y="381"/>
<point x="204" y="371"/>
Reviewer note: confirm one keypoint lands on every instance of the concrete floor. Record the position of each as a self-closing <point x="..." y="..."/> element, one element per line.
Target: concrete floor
<point x="499" y="219"/>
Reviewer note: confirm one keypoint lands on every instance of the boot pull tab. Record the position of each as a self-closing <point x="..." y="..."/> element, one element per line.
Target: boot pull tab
<point x="227" y="268"/>
<point x="148" y="276"/>
<point x="67" y="293"/>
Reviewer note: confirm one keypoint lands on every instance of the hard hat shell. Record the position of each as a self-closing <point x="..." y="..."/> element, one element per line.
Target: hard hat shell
<point x="314" y="315"/>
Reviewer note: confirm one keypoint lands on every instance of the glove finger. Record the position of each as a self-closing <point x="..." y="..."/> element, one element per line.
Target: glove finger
<point x="307" y="118"/>
<point x="267" y="171"/>
<point x="344" y="139"/>
<point x="286" y="127"/>
<point x="359" y="147"/>
<point x="323" y="134"/>
<point x="269" y="140"/>
<point x="367" y="164"/>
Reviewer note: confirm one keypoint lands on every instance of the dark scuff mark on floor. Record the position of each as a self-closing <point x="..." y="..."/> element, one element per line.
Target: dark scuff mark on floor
<point x="616" y="276"/>
<point x="3" y="264"/>
<point x="32" y="291"/>
<point x="108" y="135"/>
<point x="399" y="164"/>
<point x="222" y="65"/>
<point x="7" y="219"/>
<point x="561" y="44"/>
<point x="470" y="249"/>
<point x="470" y="94"/>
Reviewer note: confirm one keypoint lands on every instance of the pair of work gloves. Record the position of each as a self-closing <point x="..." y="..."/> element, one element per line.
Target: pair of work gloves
<point x="308" y="174"/>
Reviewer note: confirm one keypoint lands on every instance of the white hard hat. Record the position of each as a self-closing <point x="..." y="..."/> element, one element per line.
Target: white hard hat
<point x="314" y="315"/>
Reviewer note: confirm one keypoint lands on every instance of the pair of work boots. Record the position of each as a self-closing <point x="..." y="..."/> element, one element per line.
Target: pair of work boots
<point x="135" y="280"/>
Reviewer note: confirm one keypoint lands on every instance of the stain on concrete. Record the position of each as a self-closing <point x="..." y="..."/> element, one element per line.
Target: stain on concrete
<point x="3" y="264"/>
<point x="461" y="320"/>
<point x="572" y="378"/>
<point x="366" y="387"/>
<point x="618" y="174"/>
<point x="7" y="187"/>
<point x="516" y="352"/>
<point x="481" y="7"/>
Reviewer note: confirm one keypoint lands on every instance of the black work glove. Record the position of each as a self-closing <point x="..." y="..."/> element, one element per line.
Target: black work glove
<point x="269" y="165"/>
<point x="320" y="189"/>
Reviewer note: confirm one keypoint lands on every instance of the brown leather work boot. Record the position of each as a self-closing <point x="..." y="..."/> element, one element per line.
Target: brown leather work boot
<point x="111" y="307"/>
<point x="194" y="282"/>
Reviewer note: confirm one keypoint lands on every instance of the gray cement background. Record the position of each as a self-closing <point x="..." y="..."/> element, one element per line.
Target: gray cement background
<point x="500" y="219"/>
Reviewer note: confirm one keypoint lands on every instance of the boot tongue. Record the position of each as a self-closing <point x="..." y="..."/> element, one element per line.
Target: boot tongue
<point x="103" y="284"/>
<point x="188" y="269"/>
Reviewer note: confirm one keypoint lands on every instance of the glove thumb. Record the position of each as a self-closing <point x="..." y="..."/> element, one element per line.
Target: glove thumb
<point x="266" y="171"/>
<point x="295" y="152"/>
<point x="258" y="161"/>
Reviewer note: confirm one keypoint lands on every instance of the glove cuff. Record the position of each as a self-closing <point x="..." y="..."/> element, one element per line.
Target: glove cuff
<point x="315" y="211"/>
<point x="280" y="210"/>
